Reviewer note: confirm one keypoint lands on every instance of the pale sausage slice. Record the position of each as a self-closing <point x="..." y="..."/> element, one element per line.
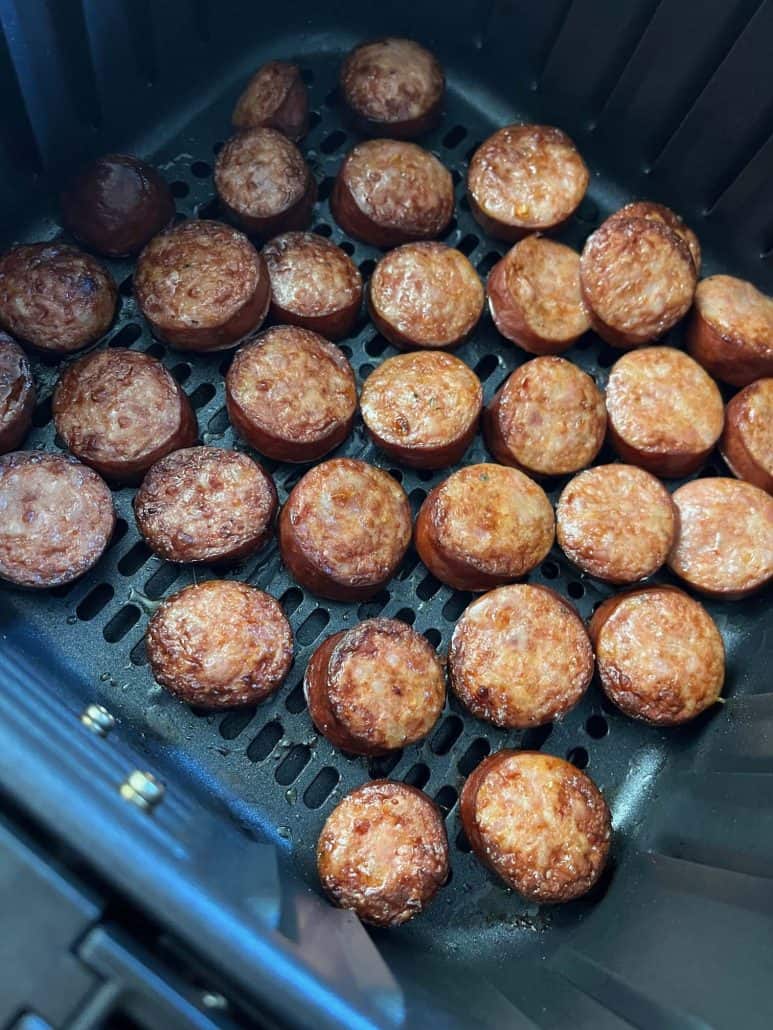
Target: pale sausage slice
<point x="731" y="330"/>
<point x="275" y="98"/>
<point x="660" y="213"/>
<point x="17" y="394"/>
<point x="747" y="442"/>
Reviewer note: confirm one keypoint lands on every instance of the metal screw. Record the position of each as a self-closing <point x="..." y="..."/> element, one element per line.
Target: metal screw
<point x="97" y="719"/>
<point x="143" y="790"/>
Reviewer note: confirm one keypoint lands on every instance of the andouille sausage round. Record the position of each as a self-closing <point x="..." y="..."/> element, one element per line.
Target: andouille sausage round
<point x="538" y="822"/>
<point x="291" y="394"/>
<point x="730" y="331"/>
<point x="345" y="529"/>
<point x="220" y="644"/>
<point x="202" y="286"/>
<point x="383" y="852"/>
<point x="747" y="440"/>
<point x="422" y="408"/>
<point x="520" y="656"/>
<point x="120" y="411"/>
<point x="17" y="394"/>
<point x="665" y="412"/>
<point x="659" y="654"/>
<point x="375" y="688"/>
<point x="484" y="526"/>
<point x="660" y="213"/>
<point x="274" y="98"/>
<point x="55" y="297"/>
<point x="547" y="419"/>
<point x="205" y="504"/>
<point x="56" y="518"/>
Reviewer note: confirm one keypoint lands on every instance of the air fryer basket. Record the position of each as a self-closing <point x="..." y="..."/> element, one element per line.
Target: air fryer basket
<point x="669" y="101"/>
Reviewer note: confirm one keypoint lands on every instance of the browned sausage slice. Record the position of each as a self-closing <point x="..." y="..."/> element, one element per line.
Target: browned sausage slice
<point x="525" y="178"/>
<point x="383" y="852"/>
<point x="660" y="655"/>
<point x="220" y="644"/>
<point x="55" y="297"/>
<point x="56" y="518"/>
<point x="520" y="656"/>
<point x="375" y="688"/>
<point x="274" y="98"/>
<point x="616" y="522"/>
<point x="389" y="192"/>
<point x="535" y="297"/>
<point x="202" y="286"/>
<point x="120" y="411"/>
<point x="264" y="183"/>
<point x="204" y="504"/>
<point x="345" y="529"/>
<point x="17" y="394"/>
<point x="660" y="213"/>
<point x="291" y="394"/>
<point x="422" y="408"/>
<point x="665" y="412"/>
<point x="538" y="822"/>
<point x="547" y="419"/>
<point x="638" y="279"/>
<point x="425" y="295"/>
<point x="747" y="442"/>
<point x="484" y="526"/>
<point x="392" y="87"/>
<point x="724" y="547"/>
<point x="731" y="330"/>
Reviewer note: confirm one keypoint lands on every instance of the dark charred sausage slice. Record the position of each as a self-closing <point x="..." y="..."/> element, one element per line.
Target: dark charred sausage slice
<point x="537" y="822"/>
<point x="548" y="418"/>
<point x="730" y="331"/>
<point x="525" y="178"/>
<point x="116" y="205"/>
<point x="120" y="411"/>
<point x="383" y="853"/>
<point x="724" y="546"/>
<point x="202" y="286"/>
<point x="520" y="657"/>
<point x="660" y="655"/>
<point x="314" y="284"/>
<point x="484" y="526"/>
<point x="616" y="522"/>
<point x="55" y="297"/>
<point x="204" y="504"/>
<point x="392" y="87"/>
<point x="17" y="394"/>
<point x="220" y="644"/>
<point x="57" y="518"/>
<point x="425" y="295"/>
<point x="274" y="98"/>
<point x="291" y="394"/>
<point x="747" y="441"/>
<point x="660" y="213"/>
<point x="345" y="529"/>
<point x="422" y="408"/>
<point x="388" y="192"/>
<point x="665" y="412"/>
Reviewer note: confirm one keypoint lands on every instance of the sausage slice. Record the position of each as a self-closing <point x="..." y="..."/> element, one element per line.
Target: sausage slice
<point x="730" y="331"/>
<point x="314" y="284"/>
<point x="547" y="419"/>
<point x="724" y="547"/>
<point x="638" y="280"/>
<point x="392" y="87"/>
<point x="375" y="688"/>
<point x="660" y="655"/>
<point x="425" y="295"/>
<point x="525" y="178"/>
<point x="484" y="526"/>
<point x="747" y="442"/>
<point x="17" y="394"/>
<point x="383" y="852"/>
<point x="616" y="522"/>
<point x="57" y="518"/>
<point x="345" y="529"/>
<point x="220" y="644"/>
<point x="422" y="408"/>
<point x="204" y="504"/>
<point x="660" y="213"/>
<point x="202" y="286"/>
<point x="55" y="297"/>
<point x="274" y="98"/>
<point x="537" y="822"/>
<point x="120" y="411"/>
<point x="520" y="657"/>
<point x="389" y="192"/>
<point x="665" y="412"/>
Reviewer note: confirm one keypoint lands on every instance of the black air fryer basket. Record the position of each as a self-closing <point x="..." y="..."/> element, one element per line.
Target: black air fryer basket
<point x="201" y="907"/>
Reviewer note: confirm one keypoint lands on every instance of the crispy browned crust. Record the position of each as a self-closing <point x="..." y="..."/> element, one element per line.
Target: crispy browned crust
<point x="747" y="440"/>
<point x="660" y="213"/>
<point x="17" y="394"/>
<point x="276" y="98"/>
<point x="732" y="353"/>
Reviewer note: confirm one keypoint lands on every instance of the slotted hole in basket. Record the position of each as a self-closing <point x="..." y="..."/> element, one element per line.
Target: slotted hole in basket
<point x="473" y="756"/>
<point x="456" y="604"/>
<point x="434" y="636"/>
<point x="406" y="615"/>
<point x="265" y="742"/>
<point x="487" y="262"/>
<point x="292" y="765"/>
<point x="93" y="603"/>
<point x="469" y="153"/>
<point x="579" y="757"/>
<point x="218" y="423"/>
<point x="409" y="563"/>
<point x="462" y="843"/>
<point x="417" y="496"/>
<point x="576" y="589"/>
<point x="312" y="626"/>
<point x="347" y="247"/>
<point x="296" y="700"/>
<point x="446" y="798"/>
<point x="314" y="119"/>
<point x="366" y="267"/>
<point x="485" y="367"/>
<point x="535" y="737"/>
<point x="370" y="609"/>
<point x="209" y="209"/>
<point x="454" y="136"/>
<point x="417" y="776"/>
<point x="179" y="189"/>
<point x="334" y="141"/>
<point x="321" y="787"/>
<point x="126" y="288"/>
<point x="121" y="527"/>
<point x="126" y="336"/>
<point x="201" y="169"/>
<point x="428" y="587"/>
<point x="468" y="243"/>
<point x="597" y="727"/>
<point x="376" y="345"/>
<point x="291" y="600"/>
<point x="124" y="619"/>
<point x="235" y="723"/>
<point x="138" y="654"/>
<point x="323" y="229"/>
<point x="134" y="558"/>
<point x="181" y="372"/>
<point x="382" y="766"/>
<point x="365" y="370"/>
<point x="325" y="187"/>
<point x="41" y="416"/>
<point x="161" y="580"/>
<point x="202" y="395"/>
<point x="155" y="350"/>
<point x="549" y="570"/>
<point x="446" y="735"/>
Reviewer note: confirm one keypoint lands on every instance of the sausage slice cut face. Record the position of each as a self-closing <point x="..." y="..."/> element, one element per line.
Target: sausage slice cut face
<point x="660" y="213"/>
<point x="731" y="330"/>
<point x="383" y="853"/>
<point x="17" y="394"/>
<point x="747" y="441"/>
<point x="538" y="822"/>
<point x="275" y="98"/>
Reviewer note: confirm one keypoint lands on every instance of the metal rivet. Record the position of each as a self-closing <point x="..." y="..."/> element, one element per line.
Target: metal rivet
<point x="143" y="790"/>
<point x="98" y="720"/>
<point x="213" y="1000"/>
